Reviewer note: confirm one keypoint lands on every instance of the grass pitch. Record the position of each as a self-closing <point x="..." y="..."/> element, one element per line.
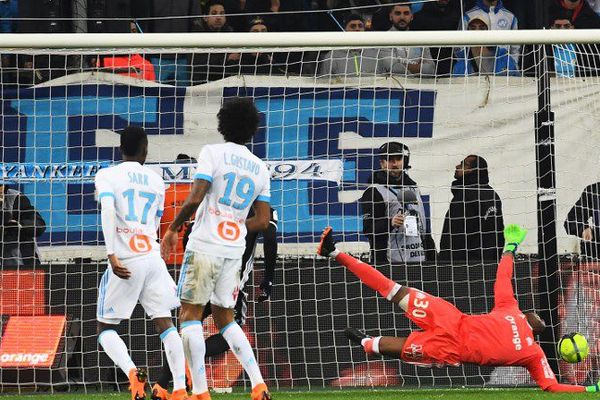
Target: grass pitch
<point x="381" y="394"/>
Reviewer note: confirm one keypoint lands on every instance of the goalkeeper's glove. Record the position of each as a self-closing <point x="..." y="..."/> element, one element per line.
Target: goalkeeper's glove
<point x="513" y="237"/>
<point x="265" y="290"/>
<point x="593" y="388"/>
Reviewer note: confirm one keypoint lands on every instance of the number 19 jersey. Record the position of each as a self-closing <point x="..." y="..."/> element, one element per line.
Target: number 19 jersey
<point x="139" y="195"/>
<point x="238" y="178"/>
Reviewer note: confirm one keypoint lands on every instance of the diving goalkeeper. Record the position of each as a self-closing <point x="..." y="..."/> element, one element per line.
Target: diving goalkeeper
<point x="502" y="337"/>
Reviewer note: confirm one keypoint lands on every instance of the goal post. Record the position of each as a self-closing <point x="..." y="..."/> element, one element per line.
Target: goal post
<point x="66" y="98"/>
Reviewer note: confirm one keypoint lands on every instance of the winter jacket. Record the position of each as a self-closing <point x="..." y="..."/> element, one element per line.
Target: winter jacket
<point x="473" y="227"/>
<point x="586" y="214"/>
<point x="20" y="225"/>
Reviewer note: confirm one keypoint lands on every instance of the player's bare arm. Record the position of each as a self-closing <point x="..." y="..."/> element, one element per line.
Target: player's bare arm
<point x="118" y="268"/>
<point x="262" y="215"/>
<point x="191" y="204"/>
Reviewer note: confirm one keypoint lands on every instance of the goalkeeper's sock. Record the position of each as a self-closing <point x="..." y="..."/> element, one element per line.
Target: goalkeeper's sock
<point x="175" y="356"/>
<point x="193" y="345"/>
<point x="371" y="345"/>
<point x="369" y="276"/>
<point x="216" y="345"/>
<point x="238" y="342"/>
<point x="115" y="348"/>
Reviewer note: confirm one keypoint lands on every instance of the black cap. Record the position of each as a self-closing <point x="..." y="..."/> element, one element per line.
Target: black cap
<point x="394" y="149"/>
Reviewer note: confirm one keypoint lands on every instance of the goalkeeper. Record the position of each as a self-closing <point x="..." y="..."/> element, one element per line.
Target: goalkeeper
<point x="502" y="337"/>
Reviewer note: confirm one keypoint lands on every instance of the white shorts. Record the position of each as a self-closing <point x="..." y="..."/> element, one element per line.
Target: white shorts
<point x="150" y="283"/>
<point x="207" y="278"/>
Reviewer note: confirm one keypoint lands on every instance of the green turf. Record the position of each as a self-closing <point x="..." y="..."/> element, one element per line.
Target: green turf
<point x="418" y="394"/>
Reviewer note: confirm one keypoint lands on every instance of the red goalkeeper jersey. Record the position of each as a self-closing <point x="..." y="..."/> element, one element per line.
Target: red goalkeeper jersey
<point x="501" y="338"/>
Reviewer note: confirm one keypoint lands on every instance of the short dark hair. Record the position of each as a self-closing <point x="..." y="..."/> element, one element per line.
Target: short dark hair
<point x="238" y="120"/>
<point x="353" y="17"/>
<point x="133" y="140"/>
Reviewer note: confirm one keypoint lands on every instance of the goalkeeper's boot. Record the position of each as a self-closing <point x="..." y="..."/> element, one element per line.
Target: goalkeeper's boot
<point x="137" y="383"/>
<point x="260" y="392"/>
<point x="513" y="237"/>
<point x="159" y="393"/>
<point x="356" y="336"/>
<point x="327" y="244"/>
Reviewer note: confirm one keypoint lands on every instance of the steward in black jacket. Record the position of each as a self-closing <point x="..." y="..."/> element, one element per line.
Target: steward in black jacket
<point x="583" y="221"/>
<point x="473" y="225"/>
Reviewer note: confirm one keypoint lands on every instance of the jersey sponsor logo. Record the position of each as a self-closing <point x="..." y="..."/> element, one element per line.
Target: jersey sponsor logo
<point x="226" y="214"/>
<point x="414" y="352"/>
<point x="140" y="244"/>
<point x="516" y="339"/>
<point x="129" y="231"/>
<point x="228" y="230"/>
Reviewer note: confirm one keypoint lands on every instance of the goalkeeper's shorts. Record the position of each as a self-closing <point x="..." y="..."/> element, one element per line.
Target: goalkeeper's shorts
<point x="440" y="320"/>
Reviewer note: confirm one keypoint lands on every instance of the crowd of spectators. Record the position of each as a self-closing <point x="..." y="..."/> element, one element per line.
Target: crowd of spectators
<point x="222" y="16"/>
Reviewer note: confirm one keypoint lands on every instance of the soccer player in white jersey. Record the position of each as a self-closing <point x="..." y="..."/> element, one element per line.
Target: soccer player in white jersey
<point x="132" y="199"/>
<point x="229" y="180"/>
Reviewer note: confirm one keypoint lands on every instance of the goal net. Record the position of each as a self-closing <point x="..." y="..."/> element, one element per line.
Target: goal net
<point x="327" y="111"/>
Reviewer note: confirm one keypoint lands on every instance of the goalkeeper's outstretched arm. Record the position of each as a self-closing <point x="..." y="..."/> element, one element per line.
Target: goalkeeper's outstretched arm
<point x="544" y="376"/>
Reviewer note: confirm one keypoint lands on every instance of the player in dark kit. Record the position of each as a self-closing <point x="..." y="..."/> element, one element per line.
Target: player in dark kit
<point x="216" y="344"/>
<point x="502" y="337"/>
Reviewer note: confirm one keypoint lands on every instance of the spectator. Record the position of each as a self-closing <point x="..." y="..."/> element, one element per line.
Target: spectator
<point x="172" y="69"/>
<point x="19" y="227"/>
<point x="583" y="220"/>
<point x="210" y="66"/>
<point x="499" y="19"/>
<point x="473" y="226"/>
<point x="134" y="65"/>
<point x="408" y="60"/>
<point x="250" y="63"/>
<point x="354" y="62"/>
<point x="579" y="12"/>
<point x="564" y="54"/>
<point x="438" y="16"/>
<point x="393" y="212"/>
<point x="480" y="59"/>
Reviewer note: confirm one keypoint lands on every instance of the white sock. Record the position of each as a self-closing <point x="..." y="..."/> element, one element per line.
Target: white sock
<point x="175" y="356"/>
<point x="115" y="348"/>
<point x="334" y="253"/>
<point x="240" y="346"/>
<point x="195" y="349"/>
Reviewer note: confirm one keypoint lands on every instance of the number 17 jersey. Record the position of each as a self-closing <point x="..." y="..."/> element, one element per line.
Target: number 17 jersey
<point x="138" y="194"/>
<point x="238" y="178"/>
